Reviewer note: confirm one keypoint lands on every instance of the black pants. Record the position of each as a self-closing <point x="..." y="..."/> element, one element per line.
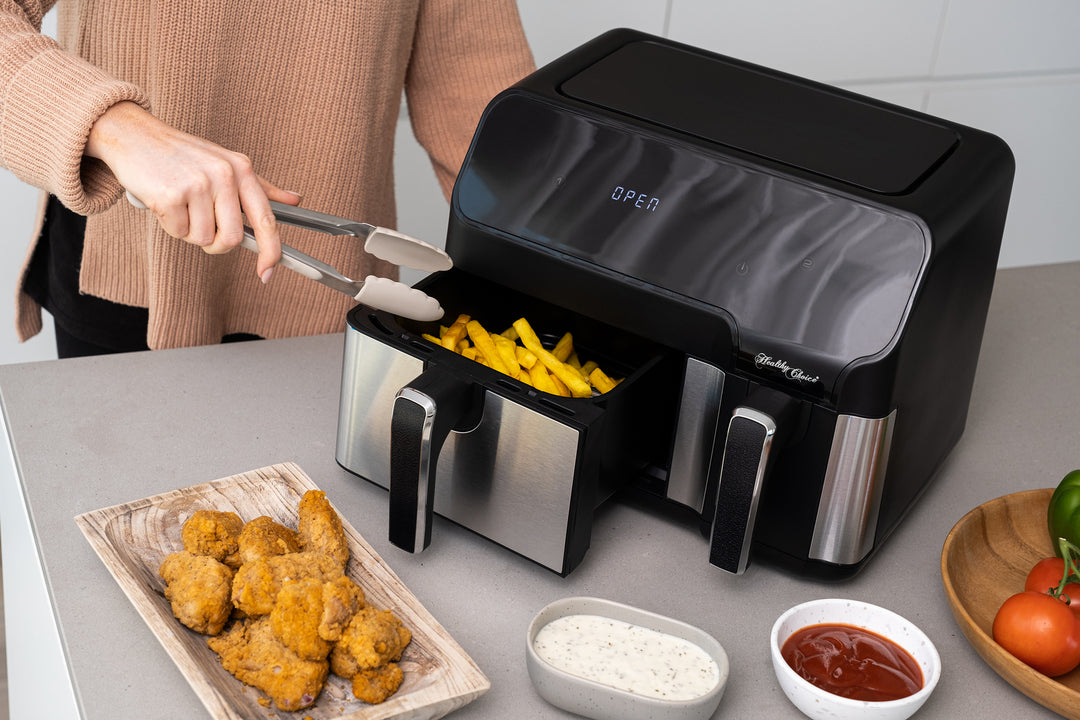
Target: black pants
<point x="85" y="325"/>
<point x="69" y="346"/>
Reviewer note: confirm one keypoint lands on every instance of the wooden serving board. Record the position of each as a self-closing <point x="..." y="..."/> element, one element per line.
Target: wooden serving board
<point x="986" y="559"/>
<point x="132" y="540"/>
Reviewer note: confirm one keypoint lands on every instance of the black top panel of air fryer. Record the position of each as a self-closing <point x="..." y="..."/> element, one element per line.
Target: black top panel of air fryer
<point x="770" y="115"/>
<point x="792" y="263"/>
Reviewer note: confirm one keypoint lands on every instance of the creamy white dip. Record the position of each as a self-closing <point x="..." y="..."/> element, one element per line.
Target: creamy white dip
<point x="627" y="657"/>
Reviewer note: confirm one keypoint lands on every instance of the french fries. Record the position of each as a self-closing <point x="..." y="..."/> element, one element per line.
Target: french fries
<point x="600" y="380"/>
<point x="518" y="353"/>
<point x="486" y="347"/>
<point x="455" y="333"/>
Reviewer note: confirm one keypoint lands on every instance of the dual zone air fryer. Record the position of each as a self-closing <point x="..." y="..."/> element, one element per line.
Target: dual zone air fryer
<point x="793" y="281"/>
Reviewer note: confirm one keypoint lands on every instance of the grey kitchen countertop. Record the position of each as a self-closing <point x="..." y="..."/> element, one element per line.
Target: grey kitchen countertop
<point x="90" y="433"/>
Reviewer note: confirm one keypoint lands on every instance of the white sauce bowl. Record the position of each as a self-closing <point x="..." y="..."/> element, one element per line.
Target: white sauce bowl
<point x="603" y="702"/>
<point x="823" y="705"/>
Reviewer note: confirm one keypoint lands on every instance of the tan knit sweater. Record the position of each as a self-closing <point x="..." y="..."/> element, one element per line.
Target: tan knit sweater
<point x="308" y="89"/>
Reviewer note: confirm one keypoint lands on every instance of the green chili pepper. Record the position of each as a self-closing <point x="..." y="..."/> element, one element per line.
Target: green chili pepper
<point x="1063" y="514"/>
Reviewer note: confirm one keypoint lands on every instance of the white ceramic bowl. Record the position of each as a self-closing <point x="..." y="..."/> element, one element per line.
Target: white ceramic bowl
<point x="603" y="702"/>
<point x="821" y="704"/>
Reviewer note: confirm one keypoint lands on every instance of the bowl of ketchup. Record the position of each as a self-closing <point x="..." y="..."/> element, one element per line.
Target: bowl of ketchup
<point x="849" y="660"/>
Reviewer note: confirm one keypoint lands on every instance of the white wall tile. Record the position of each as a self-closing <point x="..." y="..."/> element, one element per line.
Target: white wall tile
<point x="555" y="27"/>
<point x="908" y="95"/>
<point x="1009" y="36"/>
<point x="1037" y="120"/>
<point x="826" y="40"/>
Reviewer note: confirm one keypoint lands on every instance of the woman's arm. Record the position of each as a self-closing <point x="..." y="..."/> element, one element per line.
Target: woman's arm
<point x="74" y="130"/>
<point x="49" y="98"/>
<point x="200" y="191"/>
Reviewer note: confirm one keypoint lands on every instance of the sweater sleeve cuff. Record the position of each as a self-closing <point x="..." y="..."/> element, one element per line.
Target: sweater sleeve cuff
<point x="59" y="98"/>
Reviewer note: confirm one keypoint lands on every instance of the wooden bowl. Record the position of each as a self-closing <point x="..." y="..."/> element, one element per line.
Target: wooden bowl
<point x="986" y="558"/>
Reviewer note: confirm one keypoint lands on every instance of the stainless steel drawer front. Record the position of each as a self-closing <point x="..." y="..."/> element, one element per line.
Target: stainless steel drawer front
<point x="851" y="493"/>
<point x="372" y="374"/>
<point x="509" y="479"/>
<point x="695" y="434"/>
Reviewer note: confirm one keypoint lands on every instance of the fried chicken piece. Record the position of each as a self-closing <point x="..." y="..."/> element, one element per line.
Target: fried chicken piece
<point x="342" y="598"/>
<point x="320" y="527"/>
<point x="372" y="638"/>
<point x="214" y="533"/>
<point x="265" y="537"/>
<point x="309" y="614"/>
<point x="199" y="588"/>
<point x="296" y="616"/>
<point x="254" y="655"/>
<point x="256" y="585"/>
<point x="377" y="684"/>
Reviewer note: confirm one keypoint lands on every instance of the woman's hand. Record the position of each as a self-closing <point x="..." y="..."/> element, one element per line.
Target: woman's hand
<point x="200" y="191"/>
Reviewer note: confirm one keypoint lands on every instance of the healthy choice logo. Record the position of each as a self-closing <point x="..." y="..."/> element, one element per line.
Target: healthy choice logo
<point x="777" y="365"/>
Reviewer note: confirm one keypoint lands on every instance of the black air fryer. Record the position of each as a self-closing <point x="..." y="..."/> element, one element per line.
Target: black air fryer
<point x="793" y="280"/>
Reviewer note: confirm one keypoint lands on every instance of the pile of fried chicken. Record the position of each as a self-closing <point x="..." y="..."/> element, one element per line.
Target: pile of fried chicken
<point x="279" y="608"/>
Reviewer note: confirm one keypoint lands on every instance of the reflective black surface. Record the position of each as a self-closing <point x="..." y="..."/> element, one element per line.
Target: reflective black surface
<point x="785" y="119"/>
<point x="788" y="261"/>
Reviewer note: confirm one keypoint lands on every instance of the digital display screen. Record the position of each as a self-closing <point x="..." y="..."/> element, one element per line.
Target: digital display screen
<point x="635" y="198"/>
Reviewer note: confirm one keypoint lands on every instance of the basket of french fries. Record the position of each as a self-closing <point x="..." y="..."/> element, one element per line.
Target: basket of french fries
<point x="521" y="404"/>
<point x="518" y="353"/>
<point x="560" y="354"/>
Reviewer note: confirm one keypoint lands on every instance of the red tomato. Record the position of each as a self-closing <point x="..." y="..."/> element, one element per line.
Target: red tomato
<point x="1039" y="630"/>
<point x="1047" y="574"/>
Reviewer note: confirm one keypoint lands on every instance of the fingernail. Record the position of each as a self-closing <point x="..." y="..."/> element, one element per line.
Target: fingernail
<point x="265" y="277"/>
<point x="299" y="197"/>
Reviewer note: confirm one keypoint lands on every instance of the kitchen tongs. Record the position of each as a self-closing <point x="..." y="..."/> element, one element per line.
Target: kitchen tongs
<point x="377" y="292"/>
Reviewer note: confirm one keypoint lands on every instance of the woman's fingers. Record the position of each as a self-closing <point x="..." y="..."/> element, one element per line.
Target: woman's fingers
<point x="229" y="223"/>
<point x="172" y="214"/>
<point x="228" y="173"/>
<point x="260" y="217"/>
<point x="202" y="221"/>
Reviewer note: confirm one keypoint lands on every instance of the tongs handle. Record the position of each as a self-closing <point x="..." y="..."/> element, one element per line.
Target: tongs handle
<point x="299" y="262"/>
<point x="315" y="220"/>
<point x="384" y="243"/>
<point x="377" y="292"/>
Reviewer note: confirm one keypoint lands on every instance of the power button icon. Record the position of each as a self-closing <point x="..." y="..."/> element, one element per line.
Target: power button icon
<point x="743" y="268"/>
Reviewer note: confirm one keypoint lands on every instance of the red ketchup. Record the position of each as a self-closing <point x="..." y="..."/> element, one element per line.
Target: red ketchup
<point x="853" y="663"/>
